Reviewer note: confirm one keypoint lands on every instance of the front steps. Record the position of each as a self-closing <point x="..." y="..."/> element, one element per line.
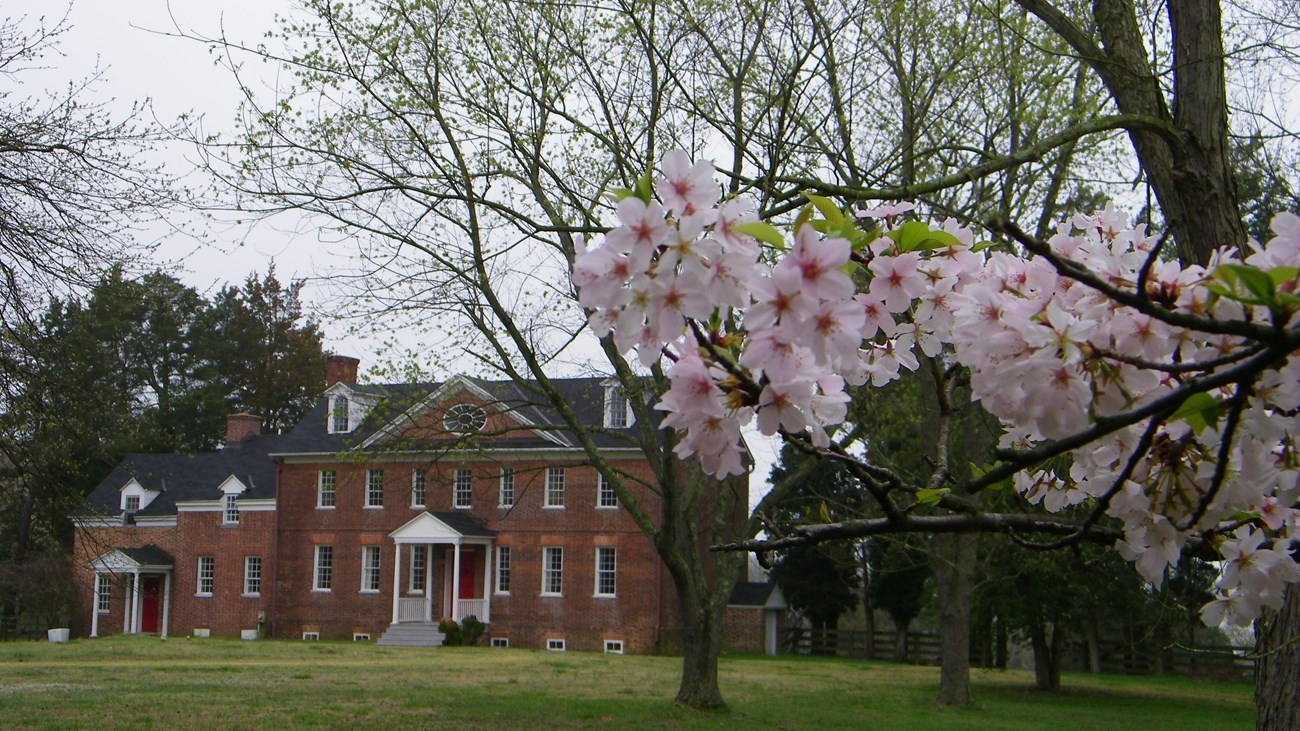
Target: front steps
<point x="412" y="634"/>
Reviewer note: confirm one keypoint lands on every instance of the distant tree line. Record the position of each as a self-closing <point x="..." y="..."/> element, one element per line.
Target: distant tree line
<point x="136" y="364"/>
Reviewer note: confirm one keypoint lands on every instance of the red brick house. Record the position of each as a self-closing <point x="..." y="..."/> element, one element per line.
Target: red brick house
<point x="388" y="508"/>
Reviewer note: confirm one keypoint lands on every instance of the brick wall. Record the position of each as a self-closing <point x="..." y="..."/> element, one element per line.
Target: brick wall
<point x="524" y="616"/>
<point x="224" y="613"/>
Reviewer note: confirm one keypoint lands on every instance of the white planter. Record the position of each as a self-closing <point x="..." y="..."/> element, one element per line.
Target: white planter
<point x="247" y="634"/>
<point x="59" y="635"/>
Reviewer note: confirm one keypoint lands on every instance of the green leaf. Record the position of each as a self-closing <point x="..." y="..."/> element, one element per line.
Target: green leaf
<point x="622" y="193"/>
<point x="917" y="236"/>
<point x="1245" y="515"/>
<point x="1256" y="281"/>
<point x="1280" y="275"/>
<point x="645" y="187"/>
<point x="1200" y="410"/>
<point x="931" y="496"/>
<point x="805" y="215"/>
<point x="978" y="471"/>
<point x="763" y="231"/>
<point x="827" y="208"/>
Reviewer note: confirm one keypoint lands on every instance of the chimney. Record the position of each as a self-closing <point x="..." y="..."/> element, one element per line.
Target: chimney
<point x="340" y="368"/>
<point x="240" y="427"/>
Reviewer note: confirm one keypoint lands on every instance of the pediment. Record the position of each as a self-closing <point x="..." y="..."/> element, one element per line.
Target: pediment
<point x="429" y="528"/>
<point x="435" y="418"/>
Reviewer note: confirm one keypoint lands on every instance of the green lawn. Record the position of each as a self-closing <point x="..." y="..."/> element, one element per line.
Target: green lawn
<point x="146" y="683"/>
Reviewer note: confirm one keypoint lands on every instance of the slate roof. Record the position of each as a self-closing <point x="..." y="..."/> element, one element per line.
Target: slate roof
<point x="751" y="594"/>
<point x="464" y="524"/>
<point x="149" y="555"/>
<point x="186" y="477"/>
<point x="586" y="396"/>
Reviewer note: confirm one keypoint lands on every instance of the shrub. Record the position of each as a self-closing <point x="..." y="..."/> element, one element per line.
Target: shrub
<point x="450" y="632"/>
<point x="471" y="629"/>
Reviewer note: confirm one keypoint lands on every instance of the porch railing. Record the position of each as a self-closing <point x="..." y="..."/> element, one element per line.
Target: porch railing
<point x="475" y="607"/>
<point x="410" y="610"/>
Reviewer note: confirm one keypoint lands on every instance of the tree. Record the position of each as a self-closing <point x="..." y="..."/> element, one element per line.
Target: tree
<point x="263" y="351"/>
<point x="822" y="582"/>
<point x="472" y="155"/>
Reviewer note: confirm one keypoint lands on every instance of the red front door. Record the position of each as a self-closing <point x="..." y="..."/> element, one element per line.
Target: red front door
<point x="467" y="574"/>
<point x="150" y="602"/>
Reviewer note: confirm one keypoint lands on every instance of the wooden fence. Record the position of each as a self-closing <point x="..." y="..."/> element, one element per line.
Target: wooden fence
<point x="1116" y="657"/>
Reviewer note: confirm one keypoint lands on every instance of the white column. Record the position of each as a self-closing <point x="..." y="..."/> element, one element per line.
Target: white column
<point x="167" y="603"/>
<point x="135" y="604"/>
<point x="94" y="609"/>
<point x="455" y="585"/>
<point x="428" y="582"/>
<point x="487" y="585"/>
<point x="397" y="579"/>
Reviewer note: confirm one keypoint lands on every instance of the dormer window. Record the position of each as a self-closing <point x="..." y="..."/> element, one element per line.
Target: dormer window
<point x="230" y="508"/>
<point x="131" y="504"/>
<point x="339" y="422"/>
<point x="617" y="413"/>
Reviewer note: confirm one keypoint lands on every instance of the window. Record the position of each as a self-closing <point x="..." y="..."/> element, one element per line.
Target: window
<point x="605" y="496"/>
<point x="326" y="489"/>
<point x="312" y="636"/>
<point x="369" y="569"/>
<point x="554" y="487"/>
<point x="252" y="575"/>
<point x="553" y="570"/>
<point x="339" y="415"/>
<point x="360" y="636"/>
<point x="132" y="503"/>
<point x="230" y="508"/>
<point x="555" y="645"/>
<point x="617" y="414"/>
<point x="507" y="487"/>
<point x="417" y="488"/>
<point x="206" y="576"/>
<point x="103" y="593"/>
<point x="500" y="641"/>
<point x="606" y="570"/>
<point x="503" y="569"/>
<point x="419" y="559"/>
<point x="324" y="578"/>
<point x="613" y="647"/>
<point x="463" y="488"/>
<point x="374" y="488"/>
<point x="464" y="419"/>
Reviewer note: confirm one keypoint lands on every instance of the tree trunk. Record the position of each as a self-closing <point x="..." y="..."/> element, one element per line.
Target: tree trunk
<point x="1000" y="645"/>
<point x="1094" y="644"/>
<point x="701" y="643"/>
<point x="868" y="612"/>
<point x="1045" y="637"/>
<point x="1277" y="666"/>
<point x="900" y="638"/>
<point x="953" y="563"/>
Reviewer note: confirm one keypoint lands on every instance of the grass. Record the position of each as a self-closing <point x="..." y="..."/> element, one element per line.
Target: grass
<point x="146" y="683"/>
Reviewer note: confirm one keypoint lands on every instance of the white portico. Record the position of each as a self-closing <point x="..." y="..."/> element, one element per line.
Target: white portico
<point x="452" y="546"/>
<point x="147" y="604"/>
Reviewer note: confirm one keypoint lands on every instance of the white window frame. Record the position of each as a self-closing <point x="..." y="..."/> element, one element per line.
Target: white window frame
<point x="207" y="576"/>
<point x="340" y="416"/>
<point x="554" y="644"/>
<point x="103" y="593"/>
<point x="613" y="647"/>
<point x="500" y="642"/>
<point x="419" y="494"/>
<point x="330" y="479"/>
<point x="416" y="578"/>
<point x="554" y="492"/>
<point x="374" y="489"/>
<point x="127" y="503"/>
<point x="323" y="568"/>
<point x="252" y="576"/>
<point x="618" y="412"/>
<point x="552" y="571"/>
<point x="501" y="584"/>
<point x="311" y="636"/>
<point x="370" y="567"/>
<point x="229" y="509"/>
<point x="462" y="488"/>
<point x="609" y="572"/>
<point x="360" y="636"/>
<point x="605" y="489"/>
<point x="506" y="495"/>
